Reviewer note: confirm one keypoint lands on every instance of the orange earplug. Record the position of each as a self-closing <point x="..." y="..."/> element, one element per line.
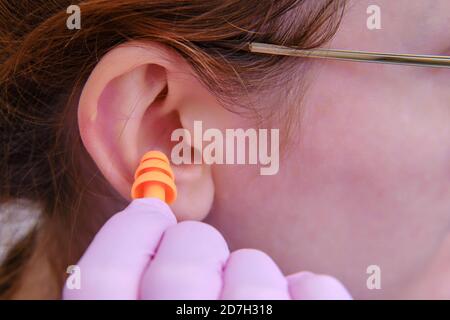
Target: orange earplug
<point x="154" y="178"/>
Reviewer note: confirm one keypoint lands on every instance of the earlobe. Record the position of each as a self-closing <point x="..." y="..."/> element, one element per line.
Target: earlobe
<point x="131" y="104"/>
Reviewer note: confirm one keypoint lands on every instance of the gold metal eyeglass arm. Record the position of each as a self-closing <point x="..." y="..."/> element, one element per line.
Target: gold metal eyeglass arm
<point x="349" y="55"/>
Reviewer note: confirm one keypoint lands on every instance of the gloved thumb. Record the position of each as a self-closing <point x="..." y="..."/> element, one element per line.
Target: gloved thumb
<point x="112" y="266"/>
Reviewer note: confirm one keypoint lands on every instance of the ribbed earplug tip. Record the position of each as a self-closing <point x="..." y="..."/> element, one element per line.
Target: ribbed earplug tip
<point x="154" y="178"/>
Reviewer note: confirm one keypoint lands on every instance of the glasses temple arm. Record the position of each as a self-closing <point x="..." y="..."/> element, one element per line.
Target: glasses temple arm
<point x="348" y="55"/>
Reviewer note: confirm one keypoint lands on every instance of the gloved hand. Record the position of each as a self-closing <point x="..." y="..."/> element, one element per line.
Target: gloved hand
<point x="143" y="253"/>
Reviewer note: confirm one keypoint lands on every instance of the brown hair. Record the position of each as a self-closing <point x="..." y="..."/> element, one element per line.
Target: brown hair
<point x="44" y="66"/>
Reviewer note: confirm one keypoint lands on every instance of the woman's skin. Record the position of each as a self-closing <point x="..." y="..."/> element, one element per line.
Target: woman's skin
<point x="364" y="179"/>
<point x="368" y="182"/>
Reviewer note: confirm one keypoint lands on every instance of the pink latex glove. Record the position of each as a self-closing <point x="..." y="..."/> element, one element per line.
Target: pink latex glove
<point x="143" y="253"/>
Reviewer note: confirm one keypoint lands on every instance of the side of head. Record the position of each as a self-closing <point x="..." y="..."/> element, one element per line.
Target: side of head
<point x="79" y="108"/>
<point x="363" y="172"/>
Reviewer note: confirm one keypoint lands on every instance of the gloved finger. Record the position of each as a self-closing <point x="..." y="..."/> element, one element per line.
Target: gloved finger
<point x="252" y="275"/>
<point x="309" y="286"/>
<point x="112" y="266"/>
<point x="187" y="265"/>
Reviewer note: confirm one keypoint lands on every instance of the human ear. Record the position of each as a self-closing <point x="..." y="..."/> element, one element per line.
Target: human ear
<point x="135" y="97"/>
